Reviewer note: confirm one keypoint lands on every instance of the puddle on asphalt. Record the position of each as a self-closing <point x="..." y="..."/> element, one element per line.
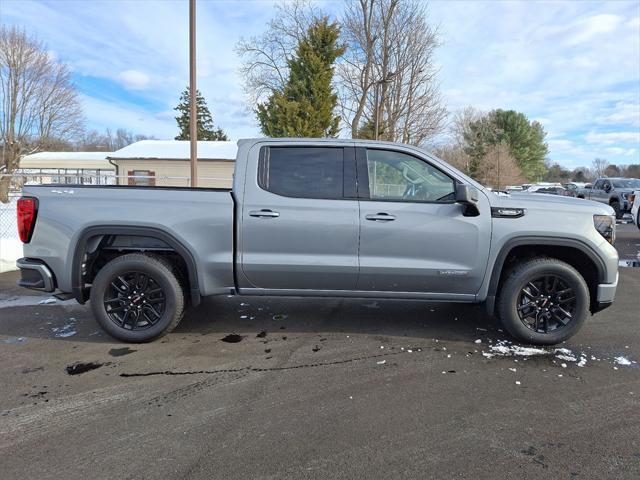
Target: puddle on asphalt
<point x="120" y="352"/>
<point x="82" y="367"/>
<point x="232" y="338"/>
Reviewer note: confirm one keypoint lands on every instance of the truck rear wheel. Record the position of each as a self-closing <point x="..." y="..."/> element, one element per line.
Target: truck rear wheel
<point x="543" y="301"/>
<point x="137" y="298"/>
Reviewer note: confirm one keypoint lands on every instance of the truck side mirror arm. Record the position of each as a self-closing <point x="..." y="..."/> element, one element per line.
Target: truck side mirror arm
<point x="467" y="196"/>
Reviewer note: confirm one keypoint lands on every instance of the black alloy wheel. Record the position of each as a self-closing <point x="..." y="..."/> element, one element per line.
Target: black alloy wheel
<point x="546" y="304"/>
<point x="134" y="300"/>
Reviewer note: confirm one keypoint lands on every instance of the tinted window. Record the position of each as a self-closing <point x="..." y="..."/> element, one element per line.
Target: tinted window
<point x="398" y="176"/>
<point x="599" y="185"/>
<point x="306" y="172"/>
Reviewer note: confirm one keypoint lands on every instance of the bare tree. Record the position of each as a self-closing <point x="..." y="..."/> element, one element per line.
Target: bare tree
<point x="39" y="102"/>
<point x="388" y="76"/>
<point x="498" y="168"/>
<point x="599" y="166"/>
<point x="94" y="141"/>
<point x="265" y="58"/>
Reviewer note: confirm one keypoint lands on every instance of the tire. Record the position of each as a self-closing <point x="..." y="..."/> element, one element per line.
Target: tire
<point x="638" y="219"/>
<point x="154" y="307"/>
<point x="537" y="328"/>
<point x="616" y="208"/>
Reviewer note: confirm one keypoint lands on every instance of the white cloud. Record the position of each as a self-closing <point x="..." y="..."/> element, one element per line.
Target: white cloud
<point x="612" y="138"/>
<point x="588" y="28"/>
<point x="134" y="79"/>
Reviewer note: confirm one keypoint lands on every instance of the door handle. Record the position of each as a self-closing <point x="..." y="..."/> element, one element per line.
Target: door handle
<point x="264" y="213"/>
<point x="380" y="217"/>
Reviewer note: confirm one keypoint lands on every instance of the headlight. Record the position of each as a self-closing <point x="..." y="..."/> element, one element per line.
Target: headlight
<point x="606" y="225"/>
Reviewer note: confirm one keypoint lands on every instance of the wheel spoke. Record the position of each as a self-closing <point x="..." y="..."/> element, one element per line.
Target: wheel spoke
<point x="565" y="313"/>
<point x="526" y="305"/>
<point x="563" y="321"/>
<point x="145" y="283"/>
<point x="536" y="290"/>
<point x="152" y="310"/>
<point x="566" y="300"/>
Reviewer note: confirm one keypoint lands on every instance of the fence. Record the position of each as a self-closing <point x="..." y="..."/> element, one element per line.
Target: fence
<point x="10" y="245"/>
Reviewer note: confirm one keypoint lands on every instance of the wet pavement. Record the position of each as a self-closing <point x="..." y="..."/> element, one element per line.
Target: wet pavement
<point x="320" y="388"/>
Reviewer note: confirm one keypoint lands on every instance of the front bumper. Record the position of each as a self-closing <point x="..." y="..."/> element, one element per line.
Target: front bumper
<point x="605" y="295"/>
<point x="35" y="275"/>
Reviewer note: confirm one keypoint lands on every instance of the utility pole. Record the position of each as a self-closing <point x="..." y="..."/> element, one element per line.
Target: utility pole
<point x="377" y="85"/>
<point x="193" y="115"/>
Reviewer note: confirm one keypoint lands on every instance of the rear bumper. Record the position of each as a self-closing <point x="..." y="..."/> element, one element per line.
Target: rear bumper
<point x="35" y="275"/>
<point x="605" y="295"/>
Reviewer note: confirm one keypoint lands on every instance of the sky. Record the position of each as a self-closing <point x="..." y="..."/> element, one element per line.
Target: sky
<point x="572" y="65"/>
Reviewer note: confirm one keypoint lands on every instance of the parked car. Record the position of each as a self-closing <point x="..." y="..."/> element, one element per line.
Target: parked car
<point x="572" y="188"/>
<point x="550" y="190"/>
<point x="321" y="218"/>
<point x="613" y="192"/>
<point x="635" y="207"/>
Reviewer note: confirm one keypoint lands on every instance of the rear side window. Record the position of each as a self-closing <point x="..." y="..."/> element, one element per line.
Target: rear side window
<point x="303" y="172"/>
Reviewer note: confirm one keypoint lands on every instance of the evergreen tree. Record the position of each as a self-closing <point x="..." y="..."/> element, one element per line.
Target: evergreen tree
<point x="305" y="106"/>
<point x="206" y="130"/>
<point x="525" y="139"/>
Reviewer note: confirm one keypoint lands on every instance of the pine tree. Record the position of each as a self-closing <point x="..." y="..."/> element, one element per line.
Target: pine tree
<point x="206" y="130"/>
<point x="305" y="106"/>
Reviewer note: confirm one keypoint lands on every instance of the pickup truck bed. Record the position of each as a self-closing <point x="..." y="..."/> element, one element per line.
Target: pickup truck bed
<point x="198" y="222"/>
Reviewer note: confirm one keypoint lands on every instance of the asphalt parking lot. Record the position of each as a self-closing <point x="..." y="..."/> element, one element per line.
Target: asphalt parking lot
<point x="322" y="388"/>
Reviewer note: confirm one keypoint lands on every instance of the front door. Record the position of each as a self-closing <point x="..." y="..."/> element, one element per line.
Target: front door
<point x="300" y="219"/>
<point x="414" y="237"/>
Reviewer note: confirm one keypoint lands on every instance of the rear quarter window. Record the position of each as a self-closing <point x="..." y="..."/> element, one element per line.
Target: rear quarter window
<point x="302" y="172"/>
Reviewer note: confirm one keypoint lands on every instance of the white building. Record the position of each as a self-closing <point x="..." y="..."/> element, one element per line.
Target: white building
<point x="166" y="163"/>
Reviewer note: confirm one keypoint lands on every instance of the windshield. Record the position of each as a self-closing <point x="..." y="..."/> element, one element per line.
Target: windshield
<point x="626" y="183"/>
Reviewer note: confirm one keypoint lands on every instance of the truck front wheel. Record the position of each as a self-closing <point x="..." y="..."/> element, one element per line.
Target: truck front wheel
<point x="137" y="298"/>
<point x="543" y="301"/>
<point x="617" y="209"/>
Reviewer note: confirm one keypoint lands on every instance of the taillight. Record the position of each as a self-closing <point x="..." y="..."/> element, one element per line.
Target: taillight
<point x="27" y="211"/>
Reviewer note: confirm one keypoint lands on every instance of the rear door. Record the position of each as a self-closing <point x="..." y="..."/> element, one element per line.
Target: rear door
<point x="597" y="192"/>
<point x="300" y="218"/>
<point x="413" y="236"/>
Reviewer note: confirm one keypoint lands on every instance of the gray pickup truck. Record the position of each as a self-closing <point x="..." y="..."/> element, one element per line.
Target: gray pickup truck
<point x="612" y="191"/>
<point x="321" y="218"/>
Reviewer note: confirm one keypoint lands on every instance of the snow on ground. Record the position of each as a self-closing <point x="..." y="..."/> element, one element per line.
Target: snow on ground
<point x="504" y="348"/>
<point x="10" y="244"/>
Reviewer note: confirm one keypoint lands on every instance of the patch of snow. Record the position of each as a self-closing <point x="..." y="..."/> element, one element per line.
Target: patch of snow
<point x="622" y="360"/>
<point x="478" y="341"/>
<point x="568" y="358"/>
<point x="47" y="301"/>
<point x="517" y="383"/>
<point x="381" y="362"/>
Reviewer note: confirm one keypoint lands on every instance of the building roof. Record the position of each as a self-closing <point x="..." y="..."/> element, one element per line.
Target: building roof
<point x="73" y="160"/>
<point x="176" y="150"/>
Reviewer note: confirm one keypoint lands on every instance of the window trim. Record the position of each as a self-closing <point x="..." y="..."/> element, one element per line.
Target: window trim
<point x="363" y="178"/>
<point x="349" y="171"/>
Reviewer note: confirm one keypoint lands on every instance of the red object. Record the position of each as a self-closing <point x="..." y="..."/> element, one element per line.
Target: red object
<point x="27" y="212"/>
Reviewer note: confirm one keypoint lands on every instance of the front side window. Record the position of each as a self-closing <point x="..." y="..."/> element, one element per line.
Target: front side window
<point x="401" y="177"/>
<point x="599" y="185"/>
<point x="303" y="172"/>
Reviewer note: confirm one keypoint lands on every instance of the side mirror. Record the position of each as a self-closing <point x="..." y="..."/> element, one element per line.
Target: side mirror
<point x="467" y="195"/>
